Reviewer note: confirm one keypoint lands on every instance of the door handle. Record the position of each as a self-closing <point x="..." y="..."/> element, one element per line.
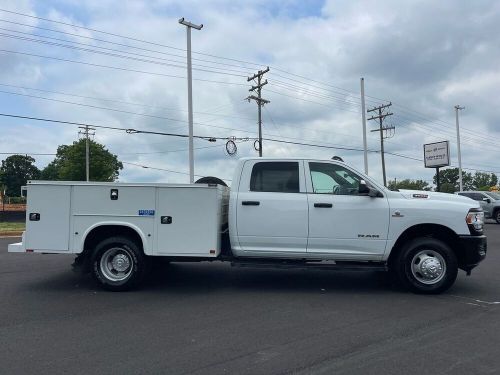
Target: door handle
<point x="250" y="203"/>
<point x="323" y="205"/>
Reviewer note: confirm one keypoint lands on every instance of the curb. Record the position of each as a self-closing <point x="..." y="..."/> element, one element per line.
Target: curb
<point x="11" y="234"/>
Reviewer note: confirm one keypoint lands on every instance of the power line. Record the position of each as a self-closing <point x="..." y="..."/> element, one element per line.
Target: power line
<point x="124" y="102"/>
<point x="139" y="114"/>
<point x="166" y="152"/>
<point x="117" y="110"/>
<point x="117" y="55"/>
<point x="134" y="131"/>
<point x="200" y="53"/>
<point x="114" y="43"/>
<point x="90" y="29"/>
<point x="305" y="89"/>
<point x="118" y="68"/>
<point x="127" y="130"/>
<point x="70" y="46"/>
<point x="309" y="101"/>
<point x="164" y="170"/>
<point x="26" y="153"/>
<point x="121" y="36"/>
<point x="449" y="133"/>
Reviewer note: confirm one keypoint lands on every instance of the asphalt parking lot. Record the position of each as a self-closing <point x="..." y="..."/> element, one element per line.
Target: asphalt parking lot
<point x="213" y="319"/>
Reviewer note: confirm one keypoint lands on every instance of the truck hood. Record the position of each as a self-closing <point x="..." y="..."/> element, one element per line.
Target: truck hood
<point x="432" y="195"/>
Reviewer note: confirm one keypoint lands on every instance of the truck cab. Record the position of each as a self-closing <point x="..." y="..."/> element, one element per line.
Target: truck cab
<point x="306" y="209"/>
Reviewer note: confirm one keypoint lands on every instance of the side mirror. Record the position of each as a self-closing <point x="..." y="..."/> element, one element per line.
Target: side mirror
<point x="487" y="200"/>
<point x="364" y="189"/>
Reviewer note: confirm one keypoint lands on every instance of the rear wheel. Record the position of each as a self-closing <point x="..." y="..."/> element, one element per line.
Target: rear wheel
<point x="496" y="216"/>
<point x="426" y="265"/>
<point x="118" y="264"/>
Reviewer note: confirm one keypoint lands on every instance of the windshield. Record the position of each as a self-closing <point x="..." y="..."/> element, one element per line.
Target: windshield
<point x="495" y="196"/>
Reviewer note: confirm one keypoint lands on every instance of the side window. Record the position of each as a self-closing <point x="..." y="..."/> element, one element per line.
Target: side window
<point x="277" y="177"/>
<point x="333" y="179"/>
<point x="477" y="196"/>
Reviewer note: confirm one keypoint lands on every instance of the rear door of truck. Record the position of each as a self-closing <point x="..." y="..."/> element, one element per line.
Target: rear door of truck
<point x="271" y="209"/>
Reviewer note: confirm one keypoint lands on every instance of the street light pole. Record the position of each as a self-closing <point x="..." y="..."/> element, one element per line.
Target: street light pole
<point x="363" y="118"/>
<point x="189" y="26"/>
<point x="457" y="108"/>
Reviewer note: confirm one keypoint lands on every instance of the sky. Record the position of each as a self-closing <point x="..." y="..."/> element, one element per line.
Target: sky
<point x="123" y="64"/>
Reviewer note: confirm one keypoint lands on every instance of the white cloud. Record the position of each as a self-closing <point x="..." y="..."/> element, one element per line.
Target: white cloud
<point x="412" y="53"/>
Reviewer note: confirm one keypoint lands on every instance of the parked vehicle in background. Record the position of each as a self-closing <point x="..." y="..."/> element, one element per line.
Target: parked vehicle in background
<point x="280" y="213"/>
<point x="489" y="201"/>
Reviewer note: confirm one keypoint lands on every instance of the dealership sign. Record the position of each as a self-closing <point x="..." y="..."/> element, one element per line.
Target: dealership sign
<point x="437" y="154"/>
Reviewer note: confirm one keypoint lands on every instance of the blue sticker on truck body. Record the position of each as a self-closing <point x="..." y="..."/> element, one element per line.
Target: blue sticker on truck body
<point x="146" y="212"/>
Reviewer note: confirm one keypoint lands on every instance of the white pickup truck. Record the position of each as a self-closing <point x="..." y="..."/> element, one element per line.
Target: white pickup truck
<point x="278" y="213"/>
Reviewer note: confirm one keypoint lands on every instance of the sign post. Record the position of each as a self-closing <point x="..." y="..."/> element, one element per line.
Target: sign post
<point x="437" y="155"/>
<point x="438" y="184"/>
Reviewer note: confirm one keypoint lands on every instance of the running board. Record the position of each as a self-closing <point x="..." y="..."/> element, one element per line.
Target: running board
<point x="324" y="265"/>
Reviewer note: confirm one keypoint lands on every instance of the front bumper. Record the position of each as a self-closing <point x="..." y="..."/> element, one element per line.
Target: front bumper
<point x="16" y="248"/>
<point x="473" y="251"/>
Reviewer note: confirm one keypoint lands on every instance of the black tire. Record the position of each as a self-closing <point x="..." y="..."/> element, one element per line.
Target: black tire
<point x="426" y="265"/>
<point x="496" y="216"/>
<point x="118" y="264"/>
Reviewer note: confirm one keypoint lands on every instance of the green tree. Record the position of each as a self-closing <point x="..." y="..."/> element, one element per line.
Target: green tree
<point x="449" y="180"/>
<point x="494" y="180"/>
<point x="69" y="163"/>
<point x="409" y="184"/>
<point x="15" y="171"/>
<point x="448" y="188"/>
<point x="483" y="181"/>
<point x="49" y="172"/>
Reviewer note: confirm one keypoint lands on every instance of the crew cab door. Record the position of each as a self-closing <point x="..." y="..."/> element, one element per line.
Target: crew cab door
<point x="342" y="222"/>
<point x="271" y="207"/>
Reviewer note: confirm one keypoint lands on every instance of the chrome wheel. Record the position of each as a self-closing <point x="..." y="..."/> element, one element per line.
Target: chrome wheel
<point x="428" y="267"/>
<point x="116" y="264"/>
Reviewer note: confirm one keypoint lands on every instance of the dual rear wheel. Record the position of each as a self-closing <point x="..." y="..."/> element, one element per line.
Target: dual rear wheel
<point x="119" y="264"/>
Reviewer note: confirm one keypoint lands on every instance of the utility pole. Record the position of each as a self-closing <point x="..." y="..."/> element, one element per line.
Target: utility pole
<point x="363" y="117"/>
<point x="457" y="108"/>
<point x="86" y="132"/>
<point x="189" y="26"/>
<point x="381" y="116"/>
<point x="258" y="99"/>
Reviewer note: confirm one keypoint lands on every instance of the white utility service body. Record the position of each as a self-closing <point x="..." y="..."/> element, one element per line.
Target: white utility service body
<point x="70" y="211"/>
<point x="294" y="211"/>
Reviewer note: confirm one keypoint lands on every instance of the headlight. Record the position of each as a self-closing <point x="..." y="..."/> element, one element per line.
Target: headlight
<point x="475" y="220"/>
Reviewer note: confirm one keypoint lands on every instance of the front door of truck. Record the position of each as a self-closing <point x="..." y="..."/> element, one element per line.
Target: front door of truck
<point x="272" y="207"/>
<point x="341" y="221"/>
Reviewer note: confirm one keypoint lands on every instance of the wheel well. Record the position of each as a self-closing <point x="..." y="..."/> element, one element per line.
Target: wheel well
<point x="102" y="232"/>
<point x="437" y="231"/>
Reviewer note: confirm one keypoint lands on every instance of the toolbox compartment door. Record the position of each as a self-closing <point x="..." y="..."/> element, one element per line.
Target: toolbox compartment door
<point x="49" y="231"/>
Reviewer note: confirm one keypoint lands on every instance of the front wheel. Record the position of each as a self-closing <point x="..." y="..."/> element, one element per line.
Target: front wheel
<point x="426" y="265"/>
<point x="118" y="264"/>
